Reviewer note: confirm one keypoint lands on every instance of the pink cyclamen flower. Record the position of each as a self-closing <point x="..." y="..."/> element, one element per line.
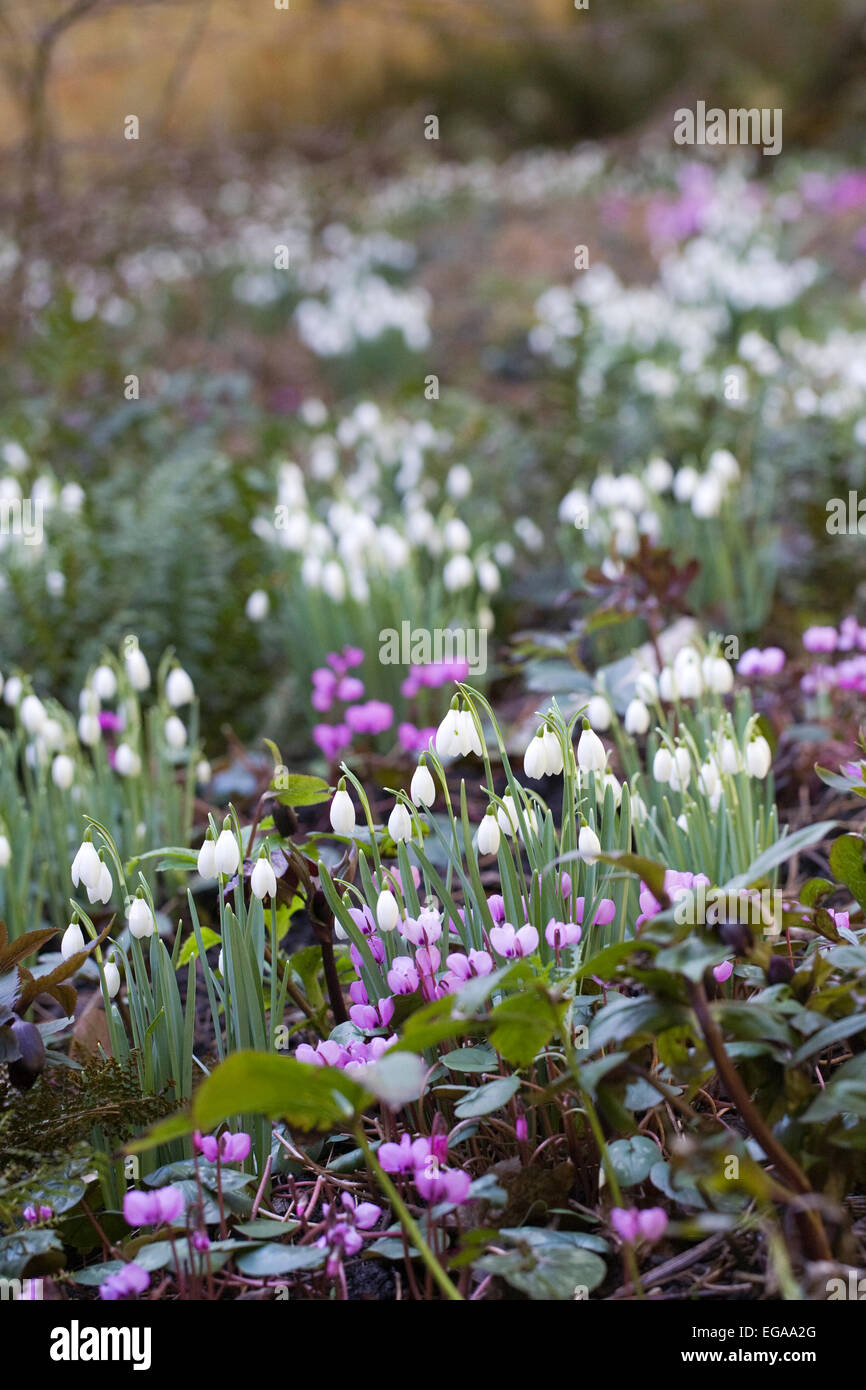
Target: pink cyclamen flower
<point x="471" y="966"/>
<point x="724" y="971"/>
<point x="496" y="903"/>
<point x="561" y="934"/>
<point x="200" y="1241"/>
<point x="403" y="978"/>
<point x="332" y="739"/>
<point x="604" y="913"/>
<point x="372" y="718"/>
<point x="820" y="639"/>
<point x="513" y="943"/>
<point x="350" y="689"/>
<point x="33" y="1214"/>
<point x="369" y="1016"/>
<point x="152" y="1208"/>
<point x="632" y="1225"/>
<point x="132" y="1279"/>
<point x="324" y="1054"/>
<point x="434" y="1184"/>
<point x="404" y="1157"/>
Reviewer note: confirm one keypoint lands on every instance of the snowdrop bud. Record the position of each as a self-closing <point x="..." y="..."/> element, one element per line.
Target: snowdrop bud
<point x="72" y="941"/>
<point x="88" y="730"/>
<point x="422" y="788"/>
<point x="5" y="851"/>
<point x="506" y="815"/>
<point x="708" y="778"/>
<point x="489" y="835"/>
<point x="140" y="918"/>
<point x="400" y="823"/>
<point x="638" y="806"/>
<point x="263" y="880"/>
<point x="13" y="690"/>
<point x="724" y="465"/>
<point x="588" y="844"/>
<point x="707" y="496"/>
<point x="220" y="960"/>
<point x="718" y="675"/>
<point x="609" y="781"/>
<point x="102" y="889"/>
<point x="458" y="573"/>
<point x="637" y="718"/>
<point x="729" y="757"/>
<point x="86" y="865"/>
<point x="598" y="713"/>
<point x="137" y="669"/>
<point x="456" y="534"/>
<point x="203" y="772"/>
<point x="646" y="687"/>
<point x="127" y="763"/>
<point x="688" y="681"/>
<point x="206" y="865"/>
<point x="685" y="483"/>
<point x="175" y="732"/>
<point x="683" y="822"/>
<point x="257" y="606"/>
<point x="553" y="753"/>
<point x="663" y="765"/>
<point x="63" y="771"/>
<point x="112" y="979"/>
<point x="758" y="757"/>
<point x="658" y="475"/>
<point x="32" y="713"/>
<point x="179" y="689"/>
<point x="342" y="812"/>
<point x="535" y="758"/>
<point x="667" y="686"/>
<point x="226" y="855"/>
<point x="458" y="484"/>
<point x="489" y="578"/>
<point x="591" y="756"/>
<point x="104" y="683"/>
<point x="448" y="734"/>
<point x="387" y="911"/>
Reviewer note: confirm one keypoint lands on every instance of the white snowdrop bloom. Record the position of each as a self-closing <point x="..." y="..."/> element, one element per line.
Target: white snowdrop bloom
<point x="419" y="526"/>
<point x="72" y="498"/>
<point x="637" y="718"/>
<point x="667" y="685"/>
<point x="730" y="760"/>
<point x="658" y="475"/>
<point x="263" y="880"/>
<point x="175" y="732"/>
<point x="226" y="855"/>
<point x="101" y="891"/>
<point x="137" y="669"/>
<point x="12" y="691"/>
<point x="313" y="412"/>
<point x="55" y="583"/>
<point x="683" y="822"/>
<point x="612" y="569"/>
<point x="140" y="919"/>
<point x="458" y="573"/>
<point x="588" y="844"/>
<point x="616" y="787"/>
<point x="72" y="941"/>
<point x="221" y="959"/>
<point x="387" y="910"/>
<point x="334" y="581"/>
<point x="52" y="734"/>
<point x="598" y="713"/>
<point x="535" y="758"/>
<point x="649" y="524"/>
<point x="206" y="864"/>
<point x="503" y="554"/>
<point x="88" y="700"/>
<point x="724" y="465"/>
<point x="489" y="835"/>
<point x="458" y="483"/>
<point x="646" y="687"/>
<point x="685" y="482"/>
<point x="447" y="740"/>
<point x="639" y="812"/>
<point x="663" y="765"/>
<point x="758" y="757"/>
<point x="127" y="763"/>
<point x="86" y="864"/>
<point x="103" y="683"/>
<point x="708" y="777"/>
<point x="88" y="730"/>
<point x="682" y="766"/>
<point x="112" y="979"/>
<point x="574" y="508"/>
<point x="422" y="788"/>
<point x="718" y="675"/>
<point x="506" y="815"/>
<point x="257" y="606"/>
<point x="468" y="736"/>
<point x="456" y="534"/>
<point x="526" y="531"/>
<point x="32" y="713"/>
<point x="553" y="753"/>
<point x="14" y="456"/>
<point x="591" y="755"/>
<point x="707" y="497"/>
<point x="488" y="576"/>
<point x="10" y="490"/>
<point x="63" y="772"/>
<point x="5" y="852"/>
<point x="179" y="689"/>
<point x="203" y="772"/>
<point x="400" y="823"/>
<point x="342" y="812"/>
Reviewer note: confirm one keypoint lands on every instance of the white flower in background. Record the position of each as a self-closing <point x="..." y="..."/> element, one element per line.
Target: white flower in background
<point x="257" y="606"/>
<point x="708" y="778"/>
<point x="724" y="465"/>
<point x="598" y="713"/>
<point x="263" y="880"/>
<point x="51" y="735"/>
<point x="758" y="757"/>
<point x="72" y="941"/>
<point x="447" y="740"/>
<point x="140" y="918"/>
<point x="179" y="689"/>
<point x="14" y="456"/>
<point x="137" y="669"/>
<point x="226" y="855"/>
<point x="658" y="475"/>
<point x="489" y="834"/>
<point x="591" y="755"/>
<point x="203" y="772"/>
<point x="535" y="758"/>
<point x="333" y="581"/>
<point x="456" y="534"/>
<point x="730" y="759"/>
<point x="718" y="675"/>
<point x="553" y="753"/>
<point x="506" y="815"/>
<point x="387" y="911"/>
<point x="102" y="889"/>
<point x="588" y="844"/>
<point x="86" y="865"/>
<point x="681" y="770"/>
<point x="221" y="961"/>
<point x="608" y="780"/>
<point x="63" y="772"/>
<point x="72" y="498"/>
<point x="707" y="497"/>
<point x="574" y="508"/>
<point x="32" y="713"/>
<point x="489" y="577"/>
<point x="667" y="686"/>
<point x="646" y="687"/>
<point x="685" y="482"/>
<point x="637" y="718"/>
<point x="683" y="822"/>
<point x="112" y="979"/>
<point x="458" y="573"/>
<point x="126" y="761"/>
<point x="55" y="583"/>
<point x="5" y="852"/>
<point x="422" y="789"/>
<point x="89" y="730"/>
<point x="639" y="812"/>
<point x="88" y="700"/>
<point x="458" y="483"/>
<point x="206" y="864"/>
<point x="342" y="812"/>
<point x="104" y="683"/>
<point x="663" y="765"/>
<point x="400" y="823"/>
<point x="175" y="732"/>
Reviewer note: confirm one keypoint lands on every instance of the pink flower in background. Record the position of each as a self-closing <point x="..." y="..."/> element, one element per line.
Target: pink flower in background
<point x="332" y="739"/>
<point x="132" y="1279"/>
<point x="632" y="1225"/>
<point x="513" y="943"/>
<point x="604" y="913"/>
<point x="152" y="1208"/>
<point x="496" y="903"/>
<point x="350" y="688"/>
<point x="412" y="739"/>
<point x="324" y="1054"/>
<point x="372" y="718"/>
<point x="468" y="967"/>
<point x="367" y="1017"/>
<point x="403" y="978"/>
<point x="438" y="1184"/>
<point x="724" y="971"/>
<point x="756" y="662"/>
<point x="820" y="639"/>
<point x="560" y="934"/>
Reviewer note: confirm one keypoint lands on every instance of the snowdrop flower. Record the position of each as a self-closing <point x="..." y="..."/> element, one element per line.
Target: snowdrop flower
<point x="140" y="918"/>
<point x="685" y="482"/>
<point x="205" y="864"/>
<point x="637" y="718"/>
<point x="86" y="864"/>
<point x="489" y="834"/>
<point x="707" y="497"/>
<point x="175" y="732"/>
<point x="5" y="852"/>
<point x="609" y="781"/>
<point x="730" y="760"/>
<point x="63" y="771"/>
<point x="591" y="755"/>
<point x="552" y="752"/>
<point x="422" y="789"/>
<point x="588" y="844"/>
<point x="458" y="573"/>
<point x="89" y="730"/>
<point x="263" y="880"/>
<point x="137" y="669"/>
<point x="179" y="689"/>
<point x="400" y="823"/>
<point x="226" y="855"/>
<point x="708" y="778"/>
<point x="72" y="941"/>
<point x="469" y="738"/>
<point x="387" y="911"/>
<point x="104" y="683"/>
<point x="683" y="823"/>
<point x="32" y="713"/>
<point x="598" y="713"/>
<point x="681" y="769"/>
<point x="646" y="687"/>
<point x="489" y="578"/>
<point x="663" y="765"/>
<point x="718" y="675"/>
<point x="203" y="772"/>
<point x="342" y="811"/>
<point x="456" y="534"/>
<point x="112" y="979"/>
<point x="127" y="763"/>
<point x="658" y="475"/>
<point x="638" y="807"/>
<point x="535" y="758"/>
<point x="257" y="606"/>
<point x="13" y="690"/>
<point x="758" y="757"/>
<point x="666" y="686"/>
<point x="458" y="483"/>
<point x="724" y="465"/>
<point x="506" y="815"/>
<point x="102" y="889"/>
<point x="447" y="738"/>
